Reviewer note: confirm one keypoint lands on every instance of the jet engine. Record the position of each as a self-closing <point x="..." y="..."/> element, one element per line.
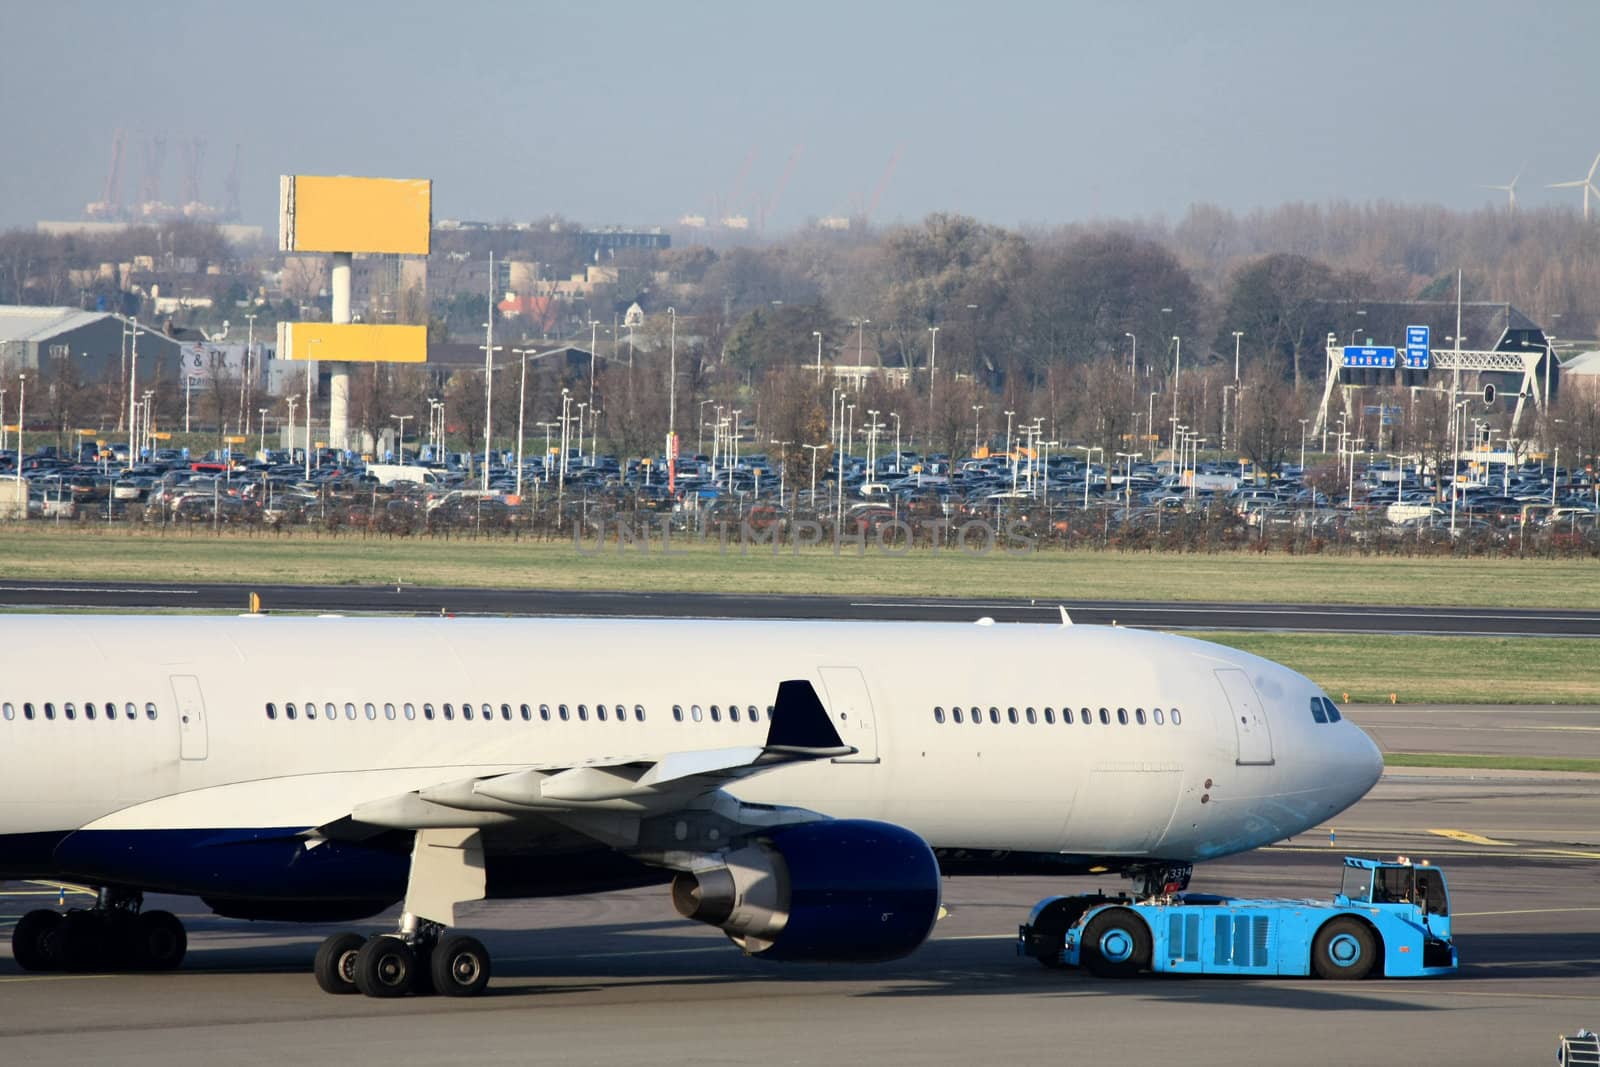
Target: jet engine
<point x="845" y="890"/>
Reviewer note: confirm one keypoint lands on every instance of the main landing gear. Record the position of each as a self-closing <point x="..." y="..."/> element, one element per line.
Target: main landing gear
<point x="421" y="957"/>
<point x="393" y="965"/>
<point x="115" y="934"/>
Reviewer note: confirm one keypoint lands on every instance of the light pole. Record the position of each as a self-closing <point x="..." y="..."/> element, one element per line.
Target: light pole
<point x="22" y="426"/>
<point x="522" y="410"/>
<point x="976" y="409"/>
<point x="544" y="466"/>
<point x="594" y="328"/>
<point x="896" y="417"/>
<point x="1226" y="389"/>
<point x="818" y="335"/>
<point x="700" y="428"/>
<point x="672" y="376"/>
<point x="1127" y="483"/>
<point x="308" y="421"/>
<point x="1133" y="366"/>
<point x="812" y="498"/>
<point x="1088" y="468"/>
<point x="933" y="365"/>
<point x="783" y="468"/>
<point x="1237" y="334"/>
<point x="581" y="405"/>
<point x="263" y="413"/>
<point x="861" y="344"/>
<point x="872" y="446"/>
<point x="292" y="401"/>
<point x="489" y="349"/>
<point x="2" y="418"/>
<point x="1177" y="372"/>
<point x="400" y="441"/>
<point x="1150" y="425"/>
<point x="1303" y="424"/>
<point x="188" y="387"/>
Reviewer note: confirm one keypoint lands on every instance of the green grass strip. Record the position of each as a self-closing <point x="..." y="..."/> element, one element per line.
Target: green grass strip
<point x="1490" y="763"/>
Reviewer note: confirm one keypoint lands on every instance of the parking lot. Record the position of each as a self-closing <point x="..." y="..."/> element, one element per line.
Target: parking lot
<point x="920" y="499"/>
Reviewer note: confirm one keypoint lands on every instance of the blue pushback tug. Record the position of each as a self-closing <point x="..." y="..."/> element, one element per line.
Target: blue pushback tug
<point x="1389" y="918"/>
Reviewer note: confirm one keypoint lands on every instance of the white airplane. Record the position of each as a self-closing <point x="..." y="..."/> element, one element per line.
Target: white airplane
<point x="801" y="784"/>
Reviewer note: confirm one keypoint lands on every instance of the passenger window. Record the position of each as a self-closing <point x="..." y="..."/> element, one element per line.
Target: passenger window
<point x="111" y="709"/>
<point x="677" y="713"/>
<point x="1122" y="716"/>
<point x="1086" y="716"/>
<point x="716" y="716"/>
<point x="272" y="710"/>
<point x="311" y="710"/>
<point x="977" y="715"/>
<point x="505" y="712"/>
<point x="49" y="711"/>
<point x="1066" y="716"/>
<point x="371" y="710"/>
<point x="9" y="710"/>
<point x="600" y="712"/>
<point x="527" y="713"/>
<point x="409" y="710"/>
<point x="938" y="714"/>
<point x="994" y="716"/>
<point x="150" y="712"/>
<point x="427" y="712"/>
<point x="350" y="711"/>
<point x="955" y="715"/>
<point x="583" y="713"/>
<point x="544" y="712"/>
<point x="1011" y="713"/>
<point x="449" y="711"/>
<point x="638" y="713"/>
<point x="1105" y="717"/>
<point x="70" y="710"/>
<point x="27" y="711"/>
<point x="388" y="711"/>
<point x="1032" y="716"/>
<point x="1138" y="716"/>
<point x="466" y="711"/>
<point x="562" y="711"/>
<point x="129" y="709"/>
<point x="622" y="712"/>
<point x="88" y="712"/>
<point x="733" y="713"/>
<point x="1049" y="716"/>
<point x="1317" y="714"/>
<point x="695" y="713"/>
<point x="1156" y="715"/>
<point x="1176" y="717"/>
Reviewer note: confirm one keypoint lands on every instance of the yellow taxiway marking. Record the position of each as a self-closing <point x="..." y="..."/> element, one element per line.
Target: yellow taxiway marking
<point x="1471" y="839"/>
<point x="55" y="978"/>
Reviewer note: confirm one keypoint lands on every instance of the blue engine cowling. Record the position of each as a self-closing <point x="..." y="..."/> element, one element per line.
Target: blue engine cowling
<point x="848" y="890"/>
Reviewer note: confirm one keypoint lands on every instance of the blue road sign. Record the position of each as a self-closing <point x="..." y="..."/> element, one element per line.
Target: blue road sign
<point x="1381" y="356"/>
<point x="1417" y="345"/>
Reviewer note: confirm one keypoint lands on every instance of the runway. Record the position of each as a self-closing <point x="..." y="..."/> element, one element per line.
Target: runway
<point x="426" y="600"/>
<point x="618" y="979"/>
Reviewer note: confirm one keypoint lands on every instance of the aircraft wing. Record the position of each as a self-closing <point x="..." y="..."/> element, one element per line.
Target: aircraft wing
<point x="607" y="798"/>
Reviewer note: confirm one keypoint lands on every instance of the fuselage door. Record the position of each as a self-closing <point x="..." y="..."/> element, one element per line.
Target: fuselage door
<point x="191" y="716"/>
<point x="1250" y="727"/>
<point x="845" y="692"/>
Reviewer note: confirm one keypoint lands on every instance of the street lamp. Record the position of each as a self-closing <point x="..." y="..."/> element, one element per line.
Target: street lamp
<point x="400" y="441"/>
<point x="933" y="365"/>
<point x="896" y="417"/>
<point x="672" y="382"/>
<point x="263" y="413"/>
<point x="1303" y="424"/>
<point x="818" y="335"/>
<point x="1088" y="468"/>
<point x="1177" y="372"/>
<point x="1133" y="364"/>
<point x="289" y="436"/>
<point x="22" y="426"/>
<point x="522" y="408"/>
<point x="812" y="498"/>
<point x="861" y="342"/>
<point x="1237" y="334"/>
<point x="976" y="409"/>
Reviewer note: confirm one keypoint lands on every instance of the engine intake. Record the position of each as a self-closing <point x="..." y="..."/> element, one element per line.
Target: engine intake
<point x="844" y="890"/>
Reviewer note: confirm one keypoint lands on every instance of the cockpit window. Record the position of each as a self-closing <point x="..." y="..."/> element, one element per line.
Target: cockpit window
<point x="1317" y="714"/>
<point x="1332" y="710"/>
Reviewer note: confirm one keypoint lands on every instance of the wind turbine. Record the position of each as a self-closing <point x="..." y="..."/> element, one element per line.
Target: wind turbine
<point x="1510" y="191"/>
<point x="1586" y="183"/>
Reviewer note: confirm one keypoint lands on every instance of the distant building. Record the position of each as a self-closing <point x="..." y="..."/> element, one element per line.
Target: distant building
<point x="32" y="338"/>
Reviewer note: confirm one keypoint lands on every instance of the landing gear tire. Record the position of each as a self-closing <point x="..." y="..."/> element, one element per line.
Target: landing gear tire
<point x="83" y="942"/>
<point x="1343" y="950"/>
<point x="33" y="940"/>
<point x="460" y="966"/>
<point x="1116" y="944"/>
<point x="335" y="966"/>
<point x="156" y="941"/>
<point x="385" y="967"/>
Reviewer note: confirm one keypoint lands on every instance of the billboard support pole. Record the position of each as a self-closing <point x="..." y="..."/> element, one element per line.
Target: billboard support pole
<point x="339" y="373"/>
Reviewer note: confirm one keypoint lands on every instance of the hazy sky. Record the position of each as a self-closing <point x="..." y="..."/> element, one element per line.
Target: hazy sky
<point x="636" y="113"/>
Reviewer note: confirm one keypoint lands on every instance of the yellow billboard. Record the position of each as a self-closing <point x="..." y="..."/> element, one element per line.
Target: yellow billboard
<point x="340" y="214"/>
<point x="357" y="342"/>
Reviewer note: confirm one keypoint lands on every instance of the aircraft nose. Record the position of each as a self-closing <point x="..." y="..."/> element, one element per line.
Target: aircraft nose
<point x="1366" y="761"/>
